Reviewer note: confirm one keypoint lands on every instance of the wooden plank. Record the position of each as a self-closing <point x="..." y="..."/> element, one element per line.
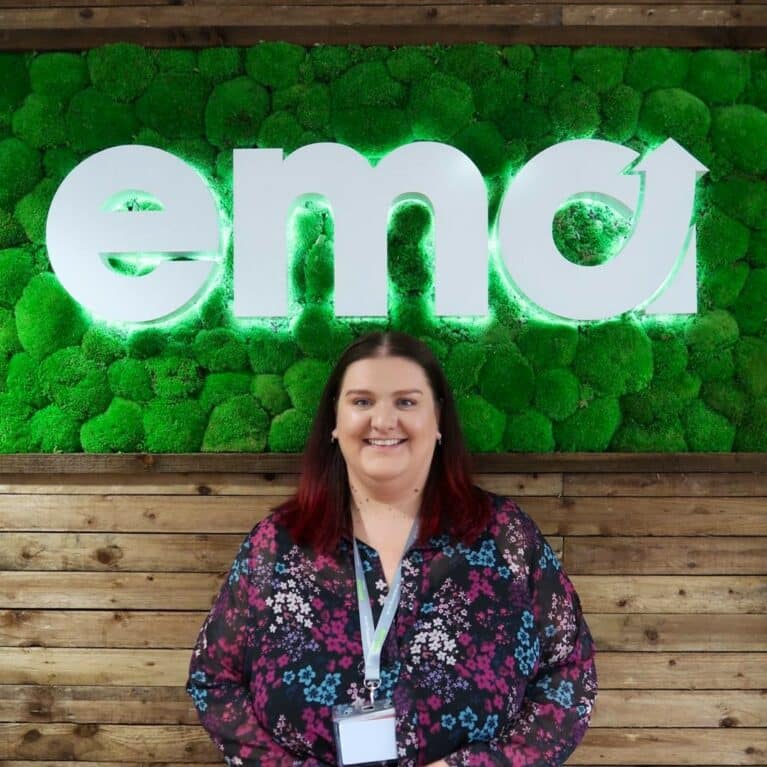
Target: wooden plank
<point x="653" y="484"/>
<point x="107" y="743"/>
<point x="663" y="15"/>
<point x="671" y="593"/>
<point x="651" y="746"/>
<point x="666" y="556"/>
<point x="74" y="628"/>
<point x="680" y="633"/>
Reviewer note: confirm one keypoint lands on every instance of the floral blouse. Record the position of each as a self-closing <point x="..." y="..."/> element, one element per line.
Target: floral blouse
<point x="488" y="662"/>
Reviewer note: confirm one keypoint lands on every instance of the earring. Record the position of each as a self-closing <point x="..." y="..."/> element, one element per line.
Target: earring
<point x="332" y="439"/>
<point x="439" y="439"/>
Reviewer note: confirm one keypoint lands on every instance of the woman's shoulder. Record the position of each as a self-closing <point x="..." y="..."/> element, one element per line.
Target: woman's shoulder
<point x="509" y="520"/>
<point x="269" y="535"/>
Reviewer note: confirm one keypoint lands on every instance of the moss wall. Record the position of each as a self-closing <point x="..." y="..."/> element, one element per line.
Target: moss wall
<point x="523" y="384"/>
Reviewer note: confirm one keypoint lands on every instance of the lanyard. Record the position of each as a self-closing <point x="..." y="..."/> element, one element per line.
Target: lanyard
<point x="374" y="636"/>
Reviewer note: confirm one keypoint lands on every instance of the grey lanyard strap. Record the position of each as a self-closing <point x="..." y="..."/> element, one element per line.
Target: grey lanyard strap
<point x="374" y="636"/>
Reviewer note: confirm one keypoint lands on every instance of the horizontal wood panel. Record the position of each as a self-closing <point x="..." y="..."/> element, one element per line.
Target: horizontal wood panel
<point x="661" y="556"/>
<point x="195" y="591"/>
<point x="663" y="15"/>
<point x="652" y="484"/>
<point x="161" y="668"/>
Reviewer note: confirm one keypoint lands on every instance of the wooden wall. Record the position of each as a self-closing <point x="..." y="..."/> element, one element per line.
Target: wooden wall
<point x="108" y="565"/>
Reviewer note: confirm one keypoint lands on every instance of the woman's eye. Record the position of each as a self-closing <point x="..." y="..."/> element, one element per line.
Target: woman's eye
<point x="405" y="402"/>
<point x="361" y="402"/>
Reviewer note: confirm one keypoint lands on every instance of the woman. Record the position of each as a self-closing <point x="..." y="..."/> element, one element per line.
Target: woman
<point x="488" y="660"/>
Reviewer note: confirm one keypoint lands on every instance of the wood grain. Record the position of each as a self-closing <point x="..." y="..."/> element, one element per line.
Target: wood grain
<point x="678" y="485"/>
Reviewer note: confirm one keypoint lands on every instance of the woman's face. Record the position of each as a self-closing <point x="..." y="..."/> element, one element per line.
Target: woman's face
<point x="387" y="423"/>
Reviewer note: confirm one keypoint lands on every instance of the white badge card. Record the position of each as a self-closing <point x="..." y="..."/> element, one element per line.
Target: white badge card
<point x="365" y="733"/>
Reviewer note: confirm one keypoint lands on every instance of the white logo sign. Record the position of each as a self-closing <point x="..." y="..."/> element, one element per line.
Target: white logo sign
<point x="655" y="270"/>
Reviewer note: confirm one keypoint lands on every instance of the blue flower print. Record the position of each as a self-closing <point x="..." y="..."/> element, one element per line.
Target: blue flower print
<point x="523" y="637"/>
<point x="563" y="694"/>
<point x="448" y="721"/>
<point x="323" y="693"/>
<point x="550" y="630"/>
<point x="199" y="676"/>
<point x="467" y="718"/>
<point x="389" y="677"/>
<point x="527" y="619"/>
<point x="504" y="572"/>
<point x="239" y="569"/>
<point x="485" y="557"/>
<point x="487" y="731"/>
<point x="548" y="558"/>
<point x="526" y="657"/>
<point x="200" y="698"/>
<point x="289" y="677"/>
<point x="279" y="567"/>
<point x="306" y="675"/>
<point x="427" y="607"/>
<point x="448" y="551"/>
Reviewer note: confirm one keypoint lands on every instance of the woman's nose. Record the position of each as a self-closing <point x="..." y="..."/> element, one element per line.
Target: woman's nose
<point x="384" y="416"/>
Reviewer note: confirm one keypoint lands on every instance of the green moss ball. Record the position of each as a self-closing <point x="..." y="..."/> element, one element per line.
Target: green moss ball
<point x="103" y="345"/>
<point x="76" y="384"/>
<point x="548" y="74"/>
<point x="118" y="430"/>
<point x="269" y="390"/>
<point x="614" y="357"/>
<point x="721" y="239"/>
<point x="757" y="249"/>
<point x="318" y="270"/>
<point x="270" y="351"/>
<point x="589" y="428"/>
<point x="652" y="68"/>
<point x="129" y="379"/>
<point x="518" y="57"/>
<point x="717" y="365"/>
<point x="706" y="431"/>
<point x="11" y="232"/>
<point x="47" y="318"/>
<point x="173" y="427"/>
<point x="329" y="61"/>
<point x="743" y="198"/>
<point x="675" y="113"/>
<point x="174" y="377"/>
<point x="600" y="68"/>
<point x="717" y="76"/>
<point x="319" y="334"/>
<point x="219" y="387"/>
<point x="662" y="400"/>
<point x="16" y="270"/>
<point x="722" y="285"/>
<point x="557" y="393"/>
<point x="499" y="98"/>
<point x="750" y="309"/>
<point x="219" y="64"/>
<point x="234" y="113"/>
<point x="620" y="109"/>
<point x="485" y="145"/>
<point x="756" y="90"/>
<point x="32" y="210"/>
<point x="14" y="425"/>
<point x="121" y="70"/>
<point x="483" y="425"/>
<point x="528" y="432"/>
<point x="464" y="362"/>
<point x="714" y="330"/>
<point x="440" y="107"/>
<point x="9" y="340"/>
<point x="309" y="102"/>
<point x="409" y="64"/>
<point x="95" y="121"/>
<point x="220" y="350"/>
<point x="589" y="233"/>
<point x="23" y="380"/>
<point x="14" y="84"/>
<point x="39" y="122"/>
<point x="275" y="64"/>
<point x="669" y="355"/>
<point x="174" y="104"/>
<point x="289" y="431"/>
<point x="507" y="379"/>
<point x="366" y="85"/>
<point x="530" y="123"/>
<point x="175" y="59"/>
<point x="656" y="437"/>
<point x="280" y="130"/>
<point x="752" y="434"/>
<point x="474" y="63"/>
<point x="20" y="170"/>
<point x="726" y="398"/>
<point x="304" y="381"/>
<point x="751" y="365"/>
<point x="147" y="343"/>
<point x="739" y="133"/>
<point x="237" y="425"/>
<point x="548" y="345"/>
<point x="371" y="129"/>
<point x="53" y="430"/>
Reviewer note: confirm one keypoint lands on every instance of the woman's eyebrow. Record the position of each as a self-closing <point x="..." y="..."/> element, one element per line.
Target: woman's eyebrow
<point x="399" y="392"/>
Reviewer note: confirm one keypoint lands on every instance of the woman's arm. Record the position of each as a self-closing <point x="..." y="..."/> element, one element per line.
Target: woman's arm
<point x="218" y="674"/>
<point x="555" y="712"/>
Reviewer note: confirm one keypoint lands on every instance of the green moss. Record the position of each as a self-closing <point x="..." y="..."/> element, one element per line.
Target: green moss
<point x="750" y="309"/>
<point x="129" y="379"/>
<point x="721" y="240"/>
<point x="23" y="380"/>
<point x="9" y="340"/>
<point x="530" y="123"/>
<point x="620" y="109"/>
<point x="174" y="105"/>
<point x="751" y="365"/>
<point x="121" y="70"/>
<point x="464" y="361"/>
<point x="440" y="107"/>
<point x="652" y="68"/>
<point x="319" y="334"/>
<point x="557" y="393"/>
<point x="717" y="76"/>
<point x="329" y="61"/>
<point x="757" y="249"/>
<point x="174" y="378"/>
<point x="11" y="232"/>
<point x="474" y="63"/>
<point x="19" y="170"/>
<point x="707" y="431"/>
<point x="175" y="59"/>
<point x="743" y="198"/>
<point x="410" y="267"/>
<point x="32" y="210"/>
<point x="590" y="427"/>
<point x="318" y="271"/>
<point x="76" y="384"/>
<point x="147" y="343"/>
<point x="173" y="427"/>
<point x="14" y="84"/>
<point x="219" y="387"/>
<point x="485" y="145"/>
<point x="16" y="269"/>
<point x="662" y="400"/>
<point x="518" y="57"/>
<point x="118" y="430"/>
<point x="280" y="130"/>
<point x="723" y="285"/>
<point x="675" y="113"/>
<point x="499" y="98"/>
<point x="711" y="331"/>
<point x="275" y="64"/>
<point x="14" y="425"/>
<point x="756" y="89"/>
<point x="237" y="425"/>
<point x="39" y="122"/>
<point x="47" y="318"/>
<point x="656" y="437"/>
<point x="220" y="350"/>
<point x="366" y="85"/>
<point x="409" y="64"/>
<point x="574" y="111"/>
<point x="548" y="345"/>
<point x="752" y="435"/>
<point x="234" y="113"/>
<point x="740" y="134"/>
<point x="669" y="354"/>
<point x="548" y="74"/>
<point x="507" y="379"/>
<point x="311" y="104"/>
<point x="600" y="68"/>
<point x="726" y="398"/>
<point x="589" y="233"/>
<point x="304" y="381"/>
<point x="103" y="345"/>
<point x="482" y="424"/>
<point x="268" y="389"/>
<point x="219" y="64"/>
<point x="95" y="121"/>
<point x="614" y="357"/>
<point x="371" y="129"/>
<point x="717" y="365"/>
<point x="52" y="430"/>
<point x="271" y="352"/>
<point x="528" y="432"/>
<point x="289" y="431"/>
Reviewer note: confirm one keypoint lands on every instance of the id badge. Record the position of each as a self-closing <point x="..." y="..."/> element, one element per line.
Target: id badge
<point x="365" y="733"/>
